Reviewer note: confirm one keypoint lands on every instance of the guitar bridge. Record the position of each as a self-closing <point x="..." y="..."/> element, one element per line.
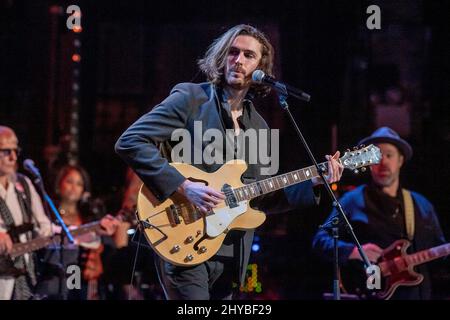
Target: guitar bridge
<point x="173" y="214"/>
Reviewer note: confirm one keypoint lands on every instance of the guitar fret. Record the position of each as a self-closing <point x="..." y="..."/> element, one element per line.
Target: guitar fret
<point x="253" y="190"/>
<point x="291" y="180"/>
<point x="307" y="173"/>
<point x="241" y="194"/>
<point x="237" y="195"/>
<point x="314" y="170"/>
<point x="260" y="185"/>
<point x="259" y="188"/>
<point x="301" y="175"/>
<point x="266" y="190"/>
<point x="280" y="182"/>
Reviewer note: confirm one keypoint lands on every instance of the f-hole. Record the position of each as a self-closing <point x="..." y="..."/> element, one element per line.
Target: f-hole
<point x="204" y="236"/>
<point x="198" y="180"/>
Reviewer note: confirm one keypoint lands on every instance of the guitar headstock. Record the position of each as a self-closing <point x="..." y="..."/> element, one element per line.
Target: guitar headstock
<point x="360" y="158"/>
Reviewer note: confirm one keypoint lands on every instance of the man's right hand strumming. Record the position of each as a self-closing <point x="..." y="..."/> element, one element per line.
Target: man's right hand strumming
<point x="202" y="196"/>
<point x="372" y="251"/>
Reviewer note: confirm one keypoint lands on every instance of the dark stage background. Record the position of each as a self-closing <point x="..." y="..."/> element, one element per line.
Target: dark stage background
<point x="73" y="93"/>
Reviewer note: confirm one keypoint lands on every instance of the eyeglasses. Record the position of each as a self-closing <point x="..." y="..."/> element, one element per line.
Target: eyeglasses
<point x="7" y="152"/>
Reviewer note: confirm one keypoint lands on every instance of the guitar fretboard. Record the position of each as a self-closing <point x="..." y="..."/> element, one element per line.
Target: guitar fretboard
<point x="32" y="245"/>
<point x="261" y="187"/>
<point x="39" y="243"/>
<point x="85" y="228"/>
<point x="428" y="254"/>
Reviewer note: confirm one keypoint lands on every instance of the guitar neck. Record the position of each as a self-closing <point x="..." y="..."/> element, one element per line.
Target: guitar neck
<point x="272" y="184"/>
<point x="39" y="243"/>
<point x="32" y="245"/>
<point x="428" y="254"/>
<point x="86" y="228"/>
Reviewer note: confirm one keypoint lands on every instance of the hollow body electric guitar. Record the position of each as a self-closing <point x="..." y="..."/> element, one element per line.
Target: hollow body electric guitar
<point x="396" y="267"/>
<point x="179" y="233"/>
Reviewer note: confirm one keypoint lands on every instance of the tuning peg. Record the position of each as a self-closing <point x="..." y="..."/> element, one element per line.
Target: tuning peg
<point x="355" y="148"/>
<point x="348" y="150"/>
<point x="362" y="146"/>
<point x="363" y="169"/>
<point x="355" y="171"/>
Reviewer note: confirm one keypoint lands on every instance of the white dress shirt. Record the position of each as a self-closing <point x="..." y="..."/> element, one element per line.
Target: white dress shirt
<point x="39" y="218"/>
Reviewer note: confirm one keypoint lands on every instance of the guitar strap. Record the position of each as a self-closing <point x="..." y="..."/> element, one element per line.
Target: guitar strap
<point x="409" y="213"/>
<point x="23" y="283"/>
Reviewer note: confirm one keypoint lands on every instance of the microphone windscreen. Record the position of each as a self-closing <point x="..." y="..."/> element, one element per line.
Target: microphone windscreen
<point x="28" y="163"/>
<point x="258" y="75"/>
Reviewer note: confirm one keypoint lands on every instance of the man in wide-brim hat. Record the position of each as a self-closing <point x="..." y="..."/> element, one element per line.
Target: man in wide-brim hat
<point x="382" y="212"/>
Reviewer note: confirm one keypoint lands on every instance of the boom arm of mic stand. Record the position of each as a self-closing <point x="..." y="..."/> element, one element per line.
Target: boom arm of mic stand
<point x="285" y="106"/>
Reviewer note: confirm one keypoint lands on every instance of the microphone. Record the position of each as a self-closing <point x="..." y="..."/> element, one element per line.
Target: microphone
<point x="260" y="77"/>
<point x="28" y="164"/>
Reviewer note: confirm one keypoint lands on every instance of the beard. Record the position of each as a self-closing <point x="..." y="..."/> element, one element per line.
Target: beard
<point x="384" y="181"/>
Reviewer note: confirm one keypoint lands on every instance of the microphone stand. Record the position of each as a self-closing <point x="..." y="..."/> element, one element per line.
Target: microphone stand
<point x="38" y="182"/>
<point x="61" y="272"/>
<point x="282" y="96"/>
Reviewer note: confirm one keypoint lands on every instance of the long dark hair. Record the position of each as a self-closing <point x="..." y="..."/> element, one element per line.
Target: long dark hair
<point x="213" y="63"/>
<point x="65" y="170"/>
<point x="88" y="207"/>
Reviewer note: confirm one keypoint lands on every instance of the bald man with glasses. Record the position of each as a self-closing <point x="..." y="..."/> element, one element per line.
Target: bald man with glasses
<point x="22" y="218"/>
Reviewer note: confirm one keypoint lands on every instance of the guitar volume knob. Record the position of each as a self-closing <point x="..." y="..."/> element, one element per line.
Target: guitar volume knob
<point x="189" y="239"/>
<point x="175" y="249"/>
<point x="188" y="258"/>
<point x="202" y="249"/>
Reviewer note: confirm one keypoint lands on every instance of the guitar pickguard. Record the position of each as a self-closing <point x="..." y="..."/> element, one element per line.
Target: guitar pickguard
<point x="218" y="222"/>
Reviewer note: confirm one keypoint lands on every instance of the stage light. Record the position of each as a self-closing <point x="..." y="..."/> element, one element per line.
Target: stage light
<point x="255" y="247"/>
<point x="76" y="57"/>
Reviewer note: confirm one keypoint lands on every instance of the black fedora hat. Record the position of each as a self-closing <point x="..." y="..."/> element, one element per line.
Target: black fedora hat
<point x="386" y="134"/>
